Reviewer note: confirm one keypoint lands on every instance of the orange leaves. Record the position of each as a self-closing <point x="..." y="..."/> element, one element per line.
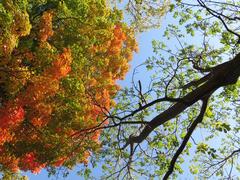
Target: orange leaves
<point x="12" y="163"/>
<point x="40" y="114"/>
<point x="25" y="162"/>
<point x="60" y="162"/>
<point x="38" y="89"/>
<point x="5" y="136"/>
<point x="103" y="99"/>
<point x="45" y="86"/>
<point x="29" y="55"/>
<point x="12" y="114"/>
<point x="114" y="53"/>
<point x="10" y="117"/>
<point x="61" y="66"/>
<point x="9" y="162"/>
<point x="117" y="42"/>
<point x="46" y="26"/>
<point x="48" y="83"/>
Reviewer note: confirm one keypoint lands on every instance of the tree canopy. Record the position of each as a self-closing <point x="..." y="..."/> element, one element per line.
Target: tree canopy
<point x="59" y="106"/>
<point x="59" y="64"/>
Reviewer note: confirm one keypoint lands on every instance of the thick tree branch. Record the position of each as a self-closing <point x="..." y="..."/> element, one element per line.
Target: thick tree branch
<point x="223" y="75"/>
<point x="197" y="82"/>
<point x="186" y="138"/>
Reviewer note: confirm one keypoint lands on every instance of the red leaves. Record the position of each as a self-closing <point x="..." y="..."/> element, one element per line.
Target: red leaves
<point x="11" y="115"/>
<point x="30" y="162"/>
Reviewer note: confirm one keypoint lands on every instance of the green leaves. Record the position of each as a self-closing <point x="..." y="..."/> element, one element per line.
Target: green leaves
<point x="223" y="127"/>
<point x="193" y="169"/>
<point x="202" y="147"/>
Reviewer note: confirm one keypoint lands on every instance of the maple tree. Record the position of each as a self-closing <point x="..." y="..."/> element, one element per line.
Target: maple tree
<point x="59" y="63"/>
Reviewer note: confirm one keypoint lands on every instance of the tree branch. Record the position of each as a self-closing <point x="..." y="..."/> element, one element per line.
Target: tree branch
<point x="186" y="138"/>
<point x="226" y="74"/>
<point x="219" y="16"/>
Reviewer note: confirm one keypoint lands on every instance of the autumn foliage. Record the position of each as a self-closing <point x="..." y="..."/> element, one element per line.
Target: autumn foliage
<point x="57" y="80"/>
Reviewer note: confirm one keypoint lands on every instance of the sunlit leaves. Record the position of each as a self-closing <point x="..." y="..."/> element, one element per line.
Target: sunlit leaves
<point x="58" y="78"/>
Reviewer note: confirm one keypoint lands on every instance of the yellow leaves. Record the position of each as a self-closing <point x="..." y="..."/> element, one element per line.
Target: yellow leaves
<point x="209" y="112"/>
<point x="22" y="24"/>
<point x="18" y="26"/>
<point x="17" y="77"/>
<point x="202" y="147"/>
<point x="8" y="44"/>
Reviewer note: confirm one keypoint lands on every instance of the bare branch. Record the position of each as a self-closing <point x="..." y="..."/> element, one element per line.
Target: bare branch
<point x="219" y="16"/>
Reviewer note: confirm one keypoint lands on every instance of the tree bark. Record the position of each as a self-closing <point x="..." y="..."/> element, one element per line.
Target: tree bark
<point x="222" y="75"/>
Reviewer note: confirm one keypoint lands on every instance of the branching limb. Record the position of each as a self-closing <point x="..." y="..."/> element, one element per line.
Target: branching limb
<point x="226" y="75"/>
<point x="187" y="137"/>
<point x="219" y="16"/>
